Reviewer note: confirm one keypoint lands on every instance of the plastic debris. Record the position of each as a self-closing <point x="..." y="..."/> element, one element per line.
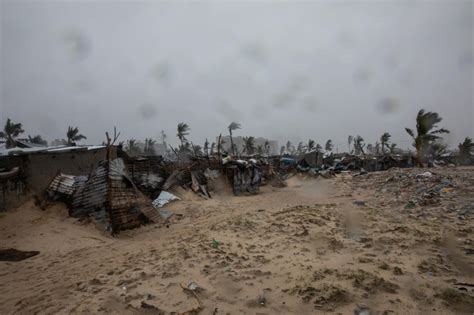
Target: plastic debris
<point x="163" y="199"/>
<point x="362" y="310"/>
<point x="193" y="286"/>
<point x="425" y="175"/>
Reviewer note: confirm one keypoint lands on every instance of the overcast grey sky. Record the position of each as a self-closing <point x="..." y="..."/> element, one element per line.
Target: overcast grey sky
<point x="286" y="70"/>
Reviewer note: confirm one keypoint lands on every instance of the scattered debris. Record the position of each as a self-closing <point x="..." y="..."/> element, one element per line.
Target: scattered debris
<point x="193" y="286"/>
<point x="163" y="199"/>
<point x="361" y="310"/>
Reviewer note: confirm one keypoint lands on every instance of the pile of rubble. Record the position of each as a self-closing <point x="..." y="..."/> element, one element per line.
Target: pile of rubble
<point x="112" y="194"/>
<point x="416" y="191"/>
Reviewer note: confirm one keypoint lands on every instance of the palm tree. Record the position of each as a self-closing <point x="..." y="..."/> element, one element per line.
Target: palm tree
<point x="393" y="147"/>
<point x="132" y="147"/>
<point x="425" y="122"/>
<point x="220" y="144"/>
<point x="370" y="148"/>
<point x="289" y="147"/>
<point x="73" y="135"/>
<point x="206" y="148"/>
<point x="384" y="141"/>
<point x="359" y="145"/>
<point x="466" y="149"/>
<point x="213" y="146"/>
<point x="267" y="147"/>
<point x="310" y="145"/>
<point x="329" y="145"/>
<point x="149" y="147"/>
<point x="197" y="150"/>
<point x="11" y="131"/>
<point x="300" y="149"/>
<point x="349" y="141"/>
<point x="183" y="131"/>
<point x="163" y="138"/>
<point x="233" y="126"/>
<point x="319" y="148"/>
<point x="438" y="149"/>
<point x="187" y="147"/>
<point x="249" y="145"/>
<point x="37" y="139"/>
<point x="377" y="147"/>
<point x="260" y="150"/>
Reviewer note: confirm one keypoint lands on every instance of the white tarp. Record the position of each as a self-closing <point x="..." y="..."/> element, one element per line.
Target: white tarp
<point x="164" y="198"/>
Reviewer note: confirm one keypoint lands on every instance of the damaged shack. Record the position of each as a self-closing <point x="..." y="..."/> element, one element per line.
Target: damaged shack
<point x="35" y="168"/>
<point x="108" y="195"/>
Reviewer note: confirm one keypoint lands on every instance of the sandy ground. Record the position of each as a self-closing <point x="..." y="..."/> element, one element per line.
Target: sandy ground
<point x="303" y="249"/>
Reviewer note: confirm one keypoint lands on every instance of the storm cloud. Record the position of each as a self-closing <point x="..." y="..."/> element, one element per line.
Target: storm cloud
<point x="283" y="70"/>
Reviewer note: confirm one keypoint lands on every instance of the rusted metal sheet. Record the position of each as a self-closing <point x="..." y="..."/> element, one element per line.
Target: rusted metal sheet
<point x="66" y="184"/>
<point x="117" y="169"/>
<point x="122" y="198"/>
<point x="148" y="174"/>
<point x="92" y="195"/>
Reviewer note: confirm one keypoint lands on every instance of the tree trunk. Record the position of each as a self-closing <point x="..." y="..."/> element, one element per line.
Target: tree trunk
<point x="231" y="142"/>
<point x="219" y="149"/>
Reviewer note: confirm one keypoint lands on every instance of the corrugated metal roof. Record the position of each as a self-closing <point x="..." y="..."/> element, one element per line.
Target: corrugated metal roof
<point x="117" y="169"/>
<point x="66" y="184"/>
<point x="92" y="196"/>
<point x="53" y="149"/>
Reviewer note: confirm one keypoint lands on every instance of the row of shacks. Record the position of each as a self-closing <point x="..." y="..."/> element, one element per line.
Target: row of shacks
<point x="124" y="192"/>
<point x="327" y="164"/>
<point x="118" y="192"/>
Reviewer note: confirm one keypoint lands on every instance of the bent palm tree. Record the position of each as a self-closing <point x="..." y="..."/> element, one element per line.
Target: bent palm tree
<point x="425" y="137"/>
<point x="11" y="131"/>
<point x="73" y="135"/>
<point x="384" y="141"/>
<point x="349" y="141"/>
<point x="233" y="126"/>
<point x="465" y="150"/>
<point x="359" y="145"/>
<point x="329" y="145"/>
<point x="183" y="131"/>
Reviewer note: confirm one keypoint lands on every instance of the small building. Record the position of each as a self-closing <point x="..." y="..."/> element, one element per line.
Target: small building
<point x="38" y="166"/>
